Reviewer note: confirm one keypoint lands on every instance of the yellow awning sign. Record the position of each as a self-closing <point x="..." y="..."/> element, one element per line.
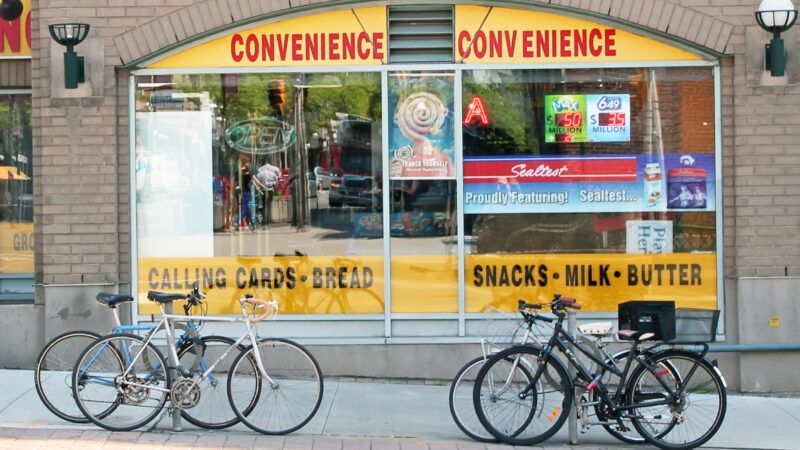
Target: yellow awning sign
<point x="16" y="247"/>
<point x="491" y="35"/>
<point x="344" y="37"/>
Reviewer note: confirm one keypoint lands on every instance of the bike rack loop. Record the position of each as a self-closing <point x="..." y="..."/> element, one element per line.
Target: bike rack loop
<point x="572" y="327"/>
<point x="177" y="424"/>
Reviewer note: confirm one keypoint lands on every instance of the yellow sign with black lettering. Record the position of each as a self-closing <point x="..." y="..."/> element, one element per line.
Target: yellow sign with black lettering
<point x="429" y="283"/>
<point x="301" y="285"/>
<point x="16" y="247"/>
<point x="598" y="281"/>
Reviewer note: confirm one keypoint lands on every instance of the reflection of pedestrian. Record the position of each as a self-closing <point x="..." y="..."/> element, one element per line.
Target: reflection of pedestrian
<point x="407" y="194"/>
<point x="685" y="196"/>
<point x="245" y="195"/>
<point x="265" y="181"/>
<point x="699" y="197"/>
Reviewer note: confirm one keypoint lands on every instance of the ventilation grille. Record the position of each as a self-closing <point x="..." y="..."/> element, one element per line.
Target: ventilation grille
<point x="420" y="34"/>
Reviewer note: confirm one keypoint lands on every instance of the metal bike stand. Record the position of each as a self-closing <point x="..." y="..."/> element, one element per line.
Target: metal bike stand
<point x="572" y="327"/>
<point x="177" y="425"/>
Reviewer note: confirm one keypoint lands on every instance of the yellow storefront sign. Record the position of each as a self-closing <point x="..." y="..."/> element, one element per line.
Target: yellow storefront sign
<point x="337" y="38"/>
<point x="429" y="283"/>
<point x="16" y="247"/>
<point x="502" y="35"/>
<point x="598" y="281"/>
<point x="15" y="36"/>
<point x="301" y="285"/>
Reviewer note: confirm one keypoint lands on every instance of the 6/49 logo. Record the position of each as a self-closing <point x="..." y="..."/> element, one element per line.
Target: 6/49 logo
<point x="607" y="103"/>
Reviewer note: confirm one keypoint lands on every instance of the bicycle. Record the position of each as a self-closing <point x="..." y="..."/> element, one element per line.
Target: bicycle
<point x="53" y="368"/>
<point x="462" y="408"/>
<point x="121" y="381"/>
<point x="659" y="393"/>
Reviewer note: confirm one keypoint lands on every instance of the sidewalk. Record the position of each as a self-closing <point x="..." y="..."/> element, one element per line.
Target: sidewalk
<point x="361" y="414"/>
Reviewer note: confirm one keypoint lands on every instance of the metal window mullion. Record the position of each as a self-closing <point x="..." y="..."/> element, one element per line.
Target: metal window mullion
<point x="719" y="219"/>
<point x="459" y="162"/>
<point x="387" y="206"/>
<point x="133" y="219"/>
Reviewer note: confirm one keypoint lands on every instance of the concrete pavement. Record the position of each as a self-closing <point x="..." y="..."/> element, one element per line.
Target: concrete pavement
<point x="361" y="414"/>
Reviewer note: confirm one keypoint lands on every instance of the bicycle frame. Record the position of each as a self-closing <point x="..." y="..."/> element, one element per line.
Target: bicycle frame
<point x="166" y="320"/>
<point x="562" y="340"/>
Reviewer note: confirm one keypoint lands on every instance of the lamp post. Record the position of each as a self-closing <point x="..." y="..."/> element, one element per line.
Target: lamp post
<point x="69" y="35"/>
<point x="776" y="16"/>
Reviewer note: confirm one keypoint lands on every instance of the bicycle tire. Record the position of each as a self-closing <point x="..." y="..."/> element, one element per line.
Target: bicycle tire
<point x="55" y="394"/>
<point x="293" y="370"/>
<point x="552" y="379"/>
<point x="219" y="414"/>
<point x="702" y="396"/>
<point x="631" y="436"/>
<point x="464" y="416"/>
<point x="102" y="382"/>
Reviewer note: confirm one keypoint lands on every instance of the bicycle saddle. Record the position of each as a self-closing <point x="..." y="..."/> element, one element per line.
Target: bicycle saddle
<point x="112" y="300"/>
<point x="596" y="328"/>
<point x="161" y="297"/>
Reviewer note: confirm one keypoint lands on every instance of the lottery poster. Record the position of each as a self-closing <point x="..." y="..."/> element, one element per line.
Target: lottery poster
<point x="587" y="118"/>
<point x="421" y="143"/>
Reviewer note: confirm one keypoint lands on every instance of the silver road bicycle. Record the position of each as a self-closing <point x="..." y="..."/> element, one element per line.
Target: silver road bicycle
<point x="274" y="386"/>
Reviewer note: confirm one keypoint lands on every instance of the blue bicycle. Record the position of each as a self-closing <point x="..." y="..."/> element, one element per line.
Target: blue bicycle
<point x="53" y="372"/>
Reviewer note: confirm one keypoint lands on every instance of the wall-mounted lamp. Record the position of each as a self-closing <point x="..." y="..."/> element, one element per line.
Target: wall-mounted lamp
<point x="10" y="10"/>
<point x="69" y="35"/>
<point x="776" y="16"/>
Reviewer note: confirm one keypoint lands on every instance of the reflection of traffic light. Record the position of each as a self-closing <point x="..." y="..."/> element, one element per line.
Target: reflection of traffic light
<point x="277" y="95"/>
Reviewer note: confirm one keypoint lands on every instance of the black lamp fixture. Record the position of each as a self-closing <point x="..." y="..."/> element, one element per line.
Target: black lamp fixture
<point x="10" y="10"/>
<point x="776" y="16"/>
<point x="69" y="35"/>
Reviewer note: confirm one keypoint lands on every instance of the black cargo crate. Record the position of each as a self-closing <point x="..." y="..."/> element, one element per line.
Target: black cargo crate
<point x="657" y="317"/>
<point x="696" y="325"/>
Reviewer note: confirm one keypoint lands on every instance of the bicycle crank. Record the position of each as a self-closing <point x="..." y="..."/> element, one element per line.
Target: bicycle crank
<point x="185" y="394"/>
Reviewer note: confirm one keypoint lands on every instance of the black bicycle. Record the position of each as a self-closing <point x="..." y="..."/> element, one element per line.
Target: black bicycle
<point x="675" y="398"/>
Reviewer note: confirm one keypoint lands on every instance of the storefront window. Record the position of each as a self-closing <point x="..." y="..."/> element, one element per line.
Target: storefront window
<point x="597" y="183"/>
<point x="248" y="182"/>
<point x="423" y="181"/>
<point x="16" y="198"/>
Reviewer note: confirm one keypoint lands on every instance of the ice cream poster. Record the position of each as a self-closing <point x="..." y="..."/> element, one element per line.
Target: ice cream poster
<point x="599" y="183"/>
<point x="421" y="133"/>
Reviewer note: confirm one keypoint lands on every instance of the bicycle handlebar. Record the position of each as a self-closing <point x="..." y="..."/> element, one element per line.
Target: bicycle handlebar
<point x="270" y="305"/>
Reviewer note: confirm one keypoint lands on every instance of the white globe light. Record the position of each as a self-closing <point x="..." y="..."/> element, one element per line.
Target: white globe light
<point x="776" y="12"/>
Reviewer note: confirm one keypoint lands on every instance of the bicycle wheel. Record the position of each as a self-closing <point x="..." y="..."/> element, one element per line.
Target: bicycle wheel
<point x="52" y="374"/>
<point x="212" y="410"/>
<point x="694" y="416"/>
<point x="136" y="385"/>
<point x="287" y="398"/>
<point x="462" y="407"/>
<point x="508" y="414"/>
<point x="629" y="435"/>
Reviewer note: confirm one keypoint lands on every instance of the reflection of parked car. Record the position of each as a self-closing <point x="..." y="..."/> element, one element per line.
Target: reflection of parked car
<point x="354" y="190"/>
<point x="324" y="178"/>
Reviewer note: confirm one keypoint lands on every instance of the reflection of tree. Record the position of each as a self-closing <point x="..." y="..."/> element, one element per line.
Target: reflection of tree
<point x="359" y="94"/>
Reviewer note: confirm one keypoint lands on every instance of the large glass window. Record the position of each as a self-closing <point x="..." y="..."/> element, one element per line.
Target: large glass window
<point x="423" y="182"/>
<point x="16" y="198"/>
<point x="254" y="181"/>
<point x="599" y="183"/>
